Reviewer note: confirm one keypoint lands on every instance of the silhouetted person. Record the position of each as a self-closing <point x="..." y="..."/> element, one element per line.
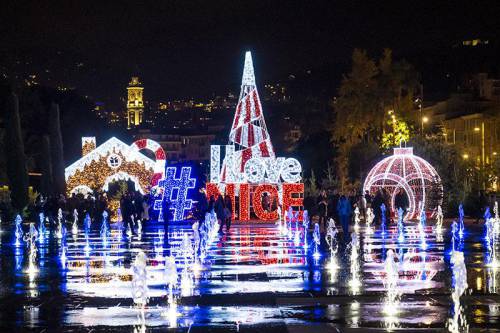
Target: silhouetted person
<point x="322" y="209"/>
<point x="219" y="210"/>
<point x="202" y="206"/>
<point x="401" y="201"/>
<point x="211" y="204"/>
<point x="377" y="201"/>
<point x="344" y="210"/>
<point x="127" y="208"/>
<point x="165" y="209"/>
<point x="228" y="211"/>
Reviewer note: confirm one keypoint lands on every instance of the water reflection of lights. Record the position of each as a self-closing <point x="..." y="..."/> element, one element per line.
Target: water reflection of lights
<point x="391" y="300"/>
<point x="254" y="260"/>
<point x="354" y="313"/>
<point x="458" y="323"/>
<point x="171" y="314"/>
<point x="492" y="279"/>
<point x="491" y="243"/>
<point x="354" y="282"/>
<point x="186" y="283"/>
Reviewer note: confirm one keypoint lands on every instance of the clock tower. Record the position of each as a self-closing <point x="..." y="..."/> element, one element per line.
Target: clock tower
<point x="135" y="103"/>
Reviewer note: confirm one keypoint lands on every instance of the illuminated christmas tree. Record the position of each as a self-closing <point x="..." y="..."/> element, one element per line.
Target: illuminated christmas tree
<point x="249" y="132"/>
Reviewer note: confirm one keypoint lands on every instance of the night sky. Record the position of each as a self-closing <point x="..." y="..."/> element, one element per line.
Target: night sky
<point x="195" y="48"/>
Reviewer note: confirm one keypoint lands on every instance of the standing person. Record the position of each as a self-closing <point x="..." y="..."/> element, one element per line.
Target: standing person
<point x="129" y="211"/>
<point x="387" y="203"/>
<point x="274" y="204"/>
<point x="219" y="210"/>
<point x="376" y="203"/>
<point x="137" y="205"/>
<point x="401" y="201"/>
<point x="362" y="205"/>
<point x="202" y="206"/>
<point x="322" y="209"/>
<point x="228" y="211"/>
<point x="123" y="209"/>
<point x="211" y="204"/>
<point x="368" y="198"/>
<point x="145" y="208"/>
<point x="353" y="198"/>
<point x="266" y="202"/>
<point x="165" y="209"/>
<point x="344" y="210"/>
<point x="334" y="204"/>
<point x="330" y="205"/>
<point x="483" y="203"/>
<point x="131" y="208"/>
<point x="100" y="205"/>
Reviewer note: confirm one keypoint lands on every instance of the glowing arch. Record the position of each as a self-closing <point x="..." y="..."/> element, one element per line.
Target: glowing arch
<point x="81" y="189"/>
<point x="160" y="156"/>
<point x="123" y="176"/>
<point x="418" y="179"/>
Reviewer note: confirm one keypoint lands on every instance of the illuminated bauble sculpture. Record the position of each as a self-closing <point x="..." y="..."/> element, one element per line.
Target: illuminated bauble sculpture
<point x="414" y="175"/>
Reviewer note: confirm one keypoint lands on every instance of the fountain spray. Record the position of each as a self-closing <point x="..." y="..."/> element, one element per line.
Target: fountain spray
<point x="454" y="228"/>
<point x="355" y="282"/>
<point x="139" y="285"/>
<point x="305" y="224"/>
<point x="104" y="229"/>
<point x="356" y="219"/>
<point x="317" y="241"/>
<point x="421" y="225"/>
<point x="461" y="221"/>
<point x="439" y="220"/>
<point x="19" y="230"/>
<point x="59" y="223"/>
<point x="401" y="232"/>
<point x="331" y="240"/>
<point x="369" y="220"/>
<point x="391" y="301"/>
<point x="30" y="239"/>
<point x="383" y="218"/>
<point x="170" y="275"/>
<point x="496" y="218"/>
<point x="41" y="228"/>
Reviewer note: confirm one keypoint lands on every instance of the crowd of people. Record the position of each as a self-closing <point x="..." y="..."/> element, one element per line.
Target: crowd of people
<point x="222" y="206"/>
<point x="132" y="205"/>
<point x="340" y="206"/>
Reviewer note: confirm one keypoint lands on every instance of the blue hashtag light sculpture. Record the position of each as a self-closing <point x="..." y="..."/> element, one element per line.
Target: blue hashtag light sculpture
<point x="176" y="190"/>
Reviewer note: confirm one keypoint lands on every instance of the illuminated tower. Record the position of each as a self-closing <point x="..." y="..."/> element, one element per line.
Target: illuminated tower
<point x="135" y="104"/>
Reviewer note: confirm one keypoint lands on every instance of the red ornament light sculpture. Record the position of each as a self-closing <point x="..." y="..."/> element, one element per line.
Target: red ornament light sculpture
<point x="414" y="175"/>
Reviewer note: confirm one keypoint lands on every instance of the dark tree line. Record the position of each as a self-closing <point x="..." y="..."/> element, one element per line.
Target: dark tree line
<point x="32" y="139"/>
<point x="17" y="171"/>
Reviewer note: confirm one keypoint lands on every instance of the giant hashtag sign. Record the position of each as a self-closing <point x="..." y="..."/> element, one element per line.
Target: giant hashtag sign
<point x="176" y="190"/>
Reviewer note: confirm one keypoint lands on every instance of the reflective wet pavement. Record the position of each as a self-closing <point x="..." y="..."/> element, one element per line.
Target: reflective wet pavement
<point x="254" y="279"/>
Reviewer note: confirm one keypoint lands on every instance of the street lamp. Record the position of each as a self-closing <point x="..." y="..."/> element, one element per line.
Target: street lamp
<point x="424" y="120"/>
<point x="478" y="129"/>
